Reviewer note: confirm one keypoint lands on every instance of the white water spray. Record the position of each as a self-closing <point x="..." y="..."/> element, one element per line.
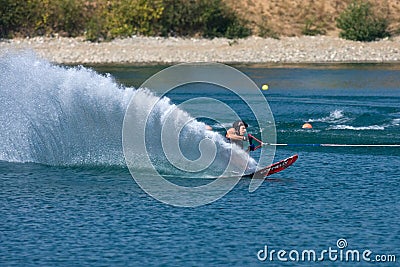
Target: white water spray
<point x="73" y="116"/>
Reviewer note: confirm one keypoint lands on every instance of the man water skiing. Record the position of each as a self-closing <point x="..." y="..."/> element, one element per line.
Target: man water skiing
<point x="237" y="135"/>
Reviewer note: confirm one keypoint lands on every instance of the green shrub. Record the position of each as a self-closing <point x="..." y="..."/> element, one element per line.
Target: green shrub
<point x="207" y="18"/>
<point x="64" y="17"/>
<point x="7" y="18"/>
<point x="359" y="23"/>
<point x="42" y="17"/>
<point x="68" y="17"/>
<point x="17" y="17"/>
<point x="128" y="17"/>
<point x="265" y="31"/>
<point x="180" y="18"/>
<point x="222" y="22"/>
<point x="312" y="28"/>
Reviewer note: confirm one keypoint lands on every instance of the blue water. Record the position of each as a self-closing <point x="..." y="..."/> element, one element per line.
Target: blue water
<point x="67" y="198"/>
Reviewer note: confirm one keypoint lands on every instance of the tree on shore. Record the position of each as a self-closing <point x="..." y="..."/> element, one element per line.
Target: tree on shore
<point x="360" y="23"/>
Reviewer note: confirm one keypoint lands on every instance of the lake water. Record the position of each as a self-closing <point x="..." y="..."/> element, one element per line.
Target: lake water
<point x="67" y="198"/>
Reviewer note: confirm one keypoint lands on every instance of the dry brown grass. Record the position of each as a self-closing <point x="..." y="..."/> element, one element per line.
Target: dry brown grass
<point x="289" y="17"/>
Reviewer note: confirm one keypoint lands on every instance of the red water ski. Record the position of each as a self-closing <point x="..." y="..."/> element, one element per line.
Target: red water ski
<point x="274" y="168"/>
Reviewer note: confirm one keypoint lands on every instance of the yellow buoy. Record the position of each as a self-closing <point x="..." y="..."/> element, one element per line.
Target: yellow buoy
<point x="265" y="87"/>
<point x="307" y="126"/>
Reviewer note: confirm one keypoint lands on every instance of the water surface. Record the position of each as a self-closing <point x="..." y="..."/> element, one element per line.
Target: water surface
<point x="67" y="198"/>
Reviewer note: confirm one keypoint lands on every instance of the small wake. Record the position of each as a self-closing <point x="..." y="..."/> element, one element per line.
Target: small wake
<point x="396" y="122"/>
<point x="393" y="123"/>
<point x="336" y="116"/>
<point x="354" y="128"/>
<point x="337" y="120"/>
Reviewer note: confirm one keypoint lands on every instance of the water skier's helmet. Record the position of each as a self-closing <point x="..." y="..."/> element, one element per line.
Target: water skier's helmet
<point x="237" y="124"/>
